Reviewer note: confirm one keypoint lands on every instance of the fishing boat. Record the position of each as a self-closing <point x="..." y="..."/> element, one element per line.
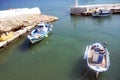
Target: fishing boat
<point x="97" y="57"/>
<point x="101" y="13"/>
<point x="40" y="32"/>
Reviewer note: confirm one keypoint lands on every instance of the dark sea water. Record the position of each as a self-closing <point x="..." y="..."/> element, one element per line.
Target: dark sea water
<point x="60" y="56"/>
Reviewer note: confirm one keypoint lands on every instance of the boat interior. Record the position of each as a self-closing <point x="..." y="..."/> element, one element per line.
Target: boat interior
<point x="97" y="57"/>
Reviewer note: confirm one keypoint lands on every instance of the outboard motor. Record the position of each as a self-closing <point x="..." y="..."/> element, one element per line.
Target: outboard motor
<point x="104" y="44"/>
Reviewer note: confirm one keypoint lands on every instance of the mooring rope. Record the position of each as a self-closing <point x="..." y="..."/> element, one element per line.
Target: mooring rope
<point x="83" y="75"/>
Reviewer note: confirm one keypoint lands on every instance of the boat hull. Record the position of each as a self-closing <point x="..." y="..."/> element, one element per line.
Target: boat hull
<point x="38" y="36"/>
<point x="100" y="14"/>
<point x="97" y="67"/>
<point x="33" y="40"/>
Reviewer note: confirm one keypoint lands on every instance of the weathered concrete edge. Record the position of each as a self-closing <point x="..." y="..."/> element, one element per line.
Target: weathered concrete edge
<point x="19" y="33"/>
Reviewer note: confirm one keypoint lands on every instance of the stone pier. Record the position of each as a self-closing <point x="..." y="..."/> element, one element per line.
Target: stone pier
<point x="86" y="10"/>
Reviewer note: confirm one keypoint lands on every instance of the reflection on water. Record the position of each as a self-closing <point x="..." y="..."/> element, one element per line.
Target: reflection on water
<point x="74" y="20"/>
<point x="79" y="20"/>
<point x="3" y="56"/>
<point x="89" y="19"/>
<point x="8" y="50"/>
<point x="101" y="20"/>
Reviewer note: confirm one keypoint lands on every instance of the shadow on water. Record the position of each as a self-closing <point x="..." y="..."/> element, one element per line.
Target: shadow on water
<point x="27" y="45"/>
<point x="82" y="72"/>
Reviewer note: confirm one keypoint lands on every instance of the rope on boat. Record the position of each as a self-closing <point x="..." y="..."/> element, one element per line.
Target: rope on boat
<point x="83" y="75"/>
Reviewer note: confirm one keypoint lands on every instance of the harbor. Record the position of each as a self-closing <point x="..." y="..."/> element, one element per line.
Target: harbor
<point x="60" y="56"/>
<point x="87" y="10"/>
<point x="19" y="22"/>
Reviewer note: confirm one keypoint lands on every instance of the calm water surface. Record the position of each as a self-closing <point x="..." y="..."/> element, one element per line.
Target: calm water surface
<point x="60" y="56"/>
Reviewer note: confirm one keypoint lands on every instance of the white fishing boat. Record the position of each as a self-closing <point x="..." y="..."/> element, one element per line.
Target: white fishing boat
<point x="40" y="32"/>
<point x="101" y="13"/>
<point x="97" y="57"/>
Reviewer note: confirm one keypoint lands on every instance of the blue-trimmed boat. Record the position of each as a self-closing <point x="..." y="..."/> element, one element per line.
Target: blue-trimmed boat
<point x="40" y="32"/>
<point x="101" y="13"/>
<point x="97" y="57"/>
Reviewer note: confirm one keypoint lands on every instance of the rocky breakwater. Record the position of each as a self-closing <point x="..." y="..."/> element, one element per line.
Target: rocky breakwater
<point x="16" y="22"/>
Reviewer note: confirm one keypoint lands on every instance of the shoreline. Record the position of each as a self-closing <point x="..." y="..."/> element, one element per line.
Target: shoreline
<point x="16" y="26"/>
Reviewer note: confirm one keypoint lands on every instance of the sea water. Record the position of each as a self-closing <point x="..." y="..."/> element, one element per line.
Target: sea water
<point x="60" y="56"/>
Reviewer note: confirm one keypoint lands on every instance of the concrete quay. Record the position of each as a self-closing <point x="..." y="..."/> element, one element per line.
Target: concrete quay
<point x="16" y="34"/>
<point x="86" y="10"/>
<point x="19" y="22"/>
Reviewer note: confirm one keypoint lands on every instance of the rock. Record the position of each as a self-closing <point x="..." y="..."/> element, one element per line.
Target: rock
<point x="18" y="21"/>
